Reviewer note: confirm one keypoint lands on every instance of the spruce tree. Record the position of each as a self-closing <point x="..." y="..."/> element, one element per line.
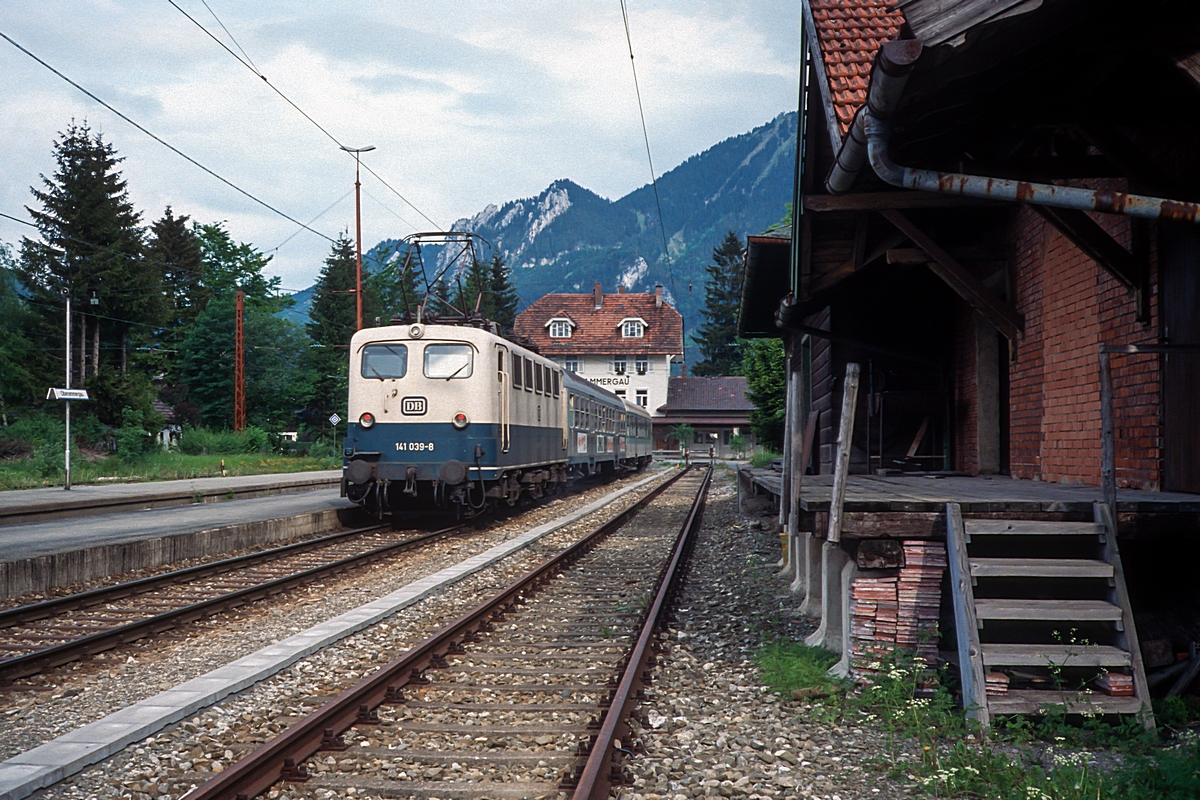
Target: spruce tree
<point x="720" y="348"/>
<point x="504" y="294"/>
<point x="476" y="297"/>
<point x="332" y="322"/>
<point x="173" y="250"/>
<point x="91" y="247"/>
<point x="228" y="266"/>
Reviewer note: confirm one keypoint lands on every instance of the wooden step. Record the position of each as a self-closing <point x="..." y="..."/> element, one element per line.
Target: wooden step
<point x="1049" y="610"/>
<point x="1039" y="568"/>
<point x="1030" y="527"/>
<point x="1030" y="701"/>
<point x="1058" y="655"/>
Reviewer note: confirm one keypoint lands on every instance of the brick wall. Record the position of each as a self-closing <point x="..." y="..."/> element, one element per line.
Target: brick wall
<point x="1071" y="306"/>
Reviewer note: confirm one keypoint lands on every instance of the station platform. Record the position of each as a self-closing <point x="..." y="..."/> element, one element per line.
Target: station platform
<point x="41" y="555"/>
<point x="28" y="505"/>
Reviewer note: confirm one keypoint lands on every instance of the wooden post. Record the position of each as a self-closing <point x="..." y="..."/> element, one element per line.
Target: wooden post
<point x="966" y="625"/>
<point x="1108" y="460"/>
<point x="842" y="458"/>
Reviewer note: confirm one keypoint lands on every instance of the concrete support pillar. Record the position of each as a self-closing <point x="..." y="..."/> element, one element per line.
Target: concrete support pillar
<point x="829" y="634"/>
<point x="842" y="668"/>
<point x="796" y="566"/>
<point x="809" y="563"/>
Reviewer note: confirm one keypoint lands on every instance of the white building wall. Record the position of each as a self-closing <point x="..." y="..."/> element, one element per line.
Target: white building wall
<point x="599" y="370"/>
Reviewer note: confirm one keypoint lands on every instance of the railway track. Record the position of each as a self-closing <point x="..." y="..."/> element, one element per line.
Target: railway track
<point x="527" y="695"/>
<point x="37" y="637"/>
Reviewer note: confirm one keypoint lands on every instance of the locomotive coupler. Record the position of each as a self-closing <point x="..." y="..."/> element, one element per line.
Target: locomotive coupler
<point x="410" y="485"/>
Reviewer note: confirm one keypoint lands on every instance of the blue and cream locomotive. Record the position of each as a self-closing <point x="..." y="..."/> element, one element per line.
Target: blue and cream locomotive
<point x="456" y="418"/>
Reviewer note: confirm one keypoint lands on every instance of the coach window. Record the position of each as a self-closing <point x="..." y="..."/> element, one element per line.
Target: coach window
<point x="448" y="361"/>
<point x="516" y="370"/>
<point x="384" y="361"/>
<point x="529" y="375"/>
<point x="556" y="385"/>
<point x="538" y="379"/>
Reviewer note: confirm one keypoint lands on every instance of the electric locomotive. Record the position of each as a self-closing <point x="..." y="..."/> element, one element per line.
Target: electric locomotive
<point x="459" y="419"/>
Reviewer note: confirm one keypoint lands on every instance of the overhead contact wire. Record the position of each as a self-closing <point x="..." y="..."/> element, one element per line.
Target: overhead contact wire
<point x="162" y="141"/>
<point x="248" y="64"/>
<point x="646" y="137"/>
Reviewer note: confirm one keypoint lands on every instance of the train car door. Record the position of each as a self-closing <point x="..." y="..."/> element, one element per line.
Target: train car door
<point x="504" y="397"/>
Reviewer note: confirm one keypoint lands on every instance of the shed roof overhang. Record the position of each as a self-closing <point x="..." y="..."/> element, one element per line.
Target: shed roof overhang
<point x="767" y="278"/>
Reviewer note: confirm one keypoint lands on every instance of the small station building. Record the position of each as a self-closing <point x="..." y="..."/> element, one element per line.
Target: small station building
<point x="990" y="303"/>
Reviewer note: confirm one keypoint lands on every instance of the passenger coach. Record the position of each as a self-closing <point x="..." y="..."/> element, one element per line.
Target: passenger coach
<point x="457" y="418"/>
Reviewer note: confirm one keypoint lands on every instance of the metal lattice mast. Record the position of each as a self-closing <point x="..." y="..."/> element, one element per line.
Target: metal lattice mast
<point x="239" y="368"/>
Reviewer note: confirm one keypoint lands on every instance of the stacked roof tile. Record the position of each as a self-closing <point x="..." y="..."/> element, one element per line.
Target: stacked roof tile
<point x="849" y="33"/>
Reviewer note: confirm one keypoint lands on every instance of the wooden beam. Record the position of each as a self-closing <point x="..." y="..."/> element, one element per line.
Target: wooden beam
<point x="1095" y="243"/>
<point x="958" y="278"/>
<point x="853" y="264"/>
<point x="879" y="201"/>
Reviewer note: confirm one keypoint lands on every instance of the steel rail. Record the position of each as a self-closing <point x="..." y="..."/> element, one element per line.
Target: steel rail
<point x="106" y="594"/>
<point x="282" y="758"/>
<point x="597" y="775"/>
<point x="32" y="663"/>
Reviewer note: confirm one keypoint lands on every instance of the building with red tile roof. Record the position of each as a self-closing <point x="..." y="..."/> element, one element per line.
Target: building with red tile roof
<point x="848" y="34"/>
<point x="625" y="342"/>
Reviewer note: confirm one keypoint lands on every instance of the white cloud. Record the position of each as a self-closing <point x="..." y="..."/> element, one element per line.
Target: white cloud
<point x="468" y="103"/>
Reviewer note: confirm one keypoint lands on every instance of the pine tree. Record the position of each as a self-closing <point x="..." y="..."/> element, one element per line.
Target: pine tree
<point x="332" y="323"/>
<point x="720" y="348"/>
<point x="174" y="250"/>
<point x="476" y="297"/>
<point x="92" y="248"/>
<point x="504" y="294"/>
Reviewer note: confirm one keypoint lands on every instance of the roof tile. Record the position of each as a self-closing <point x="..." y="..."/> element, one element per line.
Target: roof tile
<point x="849" y="33"/>
<point x="598" y="329"/>
<point x="707" y="394"/>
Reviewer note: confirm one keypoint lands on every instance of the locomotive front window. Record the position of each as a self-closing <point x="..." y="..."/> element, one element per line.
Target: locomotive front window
<point x="384" y="361"/>
<point x="448" y="361"/>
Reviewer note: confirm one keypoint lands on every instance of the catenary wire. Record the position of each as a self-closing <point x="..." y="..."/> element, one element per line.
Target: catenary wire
<point x="646" y="137"/>
<point x="162" y="141"/>
<point x="241" y="49"/>
<point x="249" y="65"/>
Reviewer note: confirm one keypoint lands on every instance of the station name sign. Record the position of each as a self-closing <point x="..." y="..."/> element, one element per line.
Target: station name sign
<point x="622" y="380"/>
<point x="67" y="394"/>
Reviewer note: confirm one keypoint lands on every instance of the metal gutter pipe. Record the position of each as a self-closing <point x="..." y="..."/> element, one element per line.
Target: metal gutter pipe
<point x="889" y="75"/>
<point x="878" y="132"/>
<point x="870" y="132"/>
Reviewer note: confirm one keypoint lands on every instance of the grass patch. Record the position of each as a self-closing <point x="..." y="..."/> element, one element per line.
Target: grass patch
<point x="32" y="473"/>
<point x="932" y="744"/>
<point x="788" y="666"/>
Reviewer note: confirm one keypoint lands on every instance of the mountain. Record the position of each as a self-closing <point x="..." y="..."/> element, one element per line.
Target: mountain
<point x="568" y="236"/>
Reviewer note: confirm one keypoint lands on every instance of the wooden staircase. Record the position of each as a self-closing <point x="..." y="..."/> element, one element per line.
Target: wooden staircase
<point x="1045" y="604"/>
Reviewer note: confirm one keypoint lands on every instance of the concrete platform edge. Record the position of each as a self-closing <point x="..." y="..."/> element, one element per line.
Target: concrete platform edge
<point x="44" y="573"/>
<point x="24" y="774"/>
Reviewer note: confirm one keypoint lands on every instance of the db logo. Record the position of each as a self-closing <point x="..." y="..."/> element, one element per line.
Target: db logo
<point x="412" y="406"/>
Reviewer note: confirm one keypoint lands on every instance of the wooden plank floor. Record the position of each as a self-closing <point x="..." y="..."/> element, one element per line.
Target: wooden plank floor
<point x="975" y="495"/>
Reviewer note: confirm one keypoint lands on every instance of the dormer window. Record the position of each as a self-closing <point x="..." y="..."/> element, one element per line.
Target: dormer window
<point x="560" y="327"/>
<point x="633" y="328"/>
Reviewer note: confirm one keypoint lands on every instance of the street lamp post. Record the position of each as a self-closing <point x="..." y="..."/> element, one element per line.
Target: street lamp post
<point x="358" y="231"/>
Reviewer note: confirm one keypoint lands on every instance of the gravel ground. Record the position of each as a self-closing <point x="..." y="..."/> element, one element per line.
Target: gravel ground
<point x="709" y="727"/>
<point x="42" y="707"/>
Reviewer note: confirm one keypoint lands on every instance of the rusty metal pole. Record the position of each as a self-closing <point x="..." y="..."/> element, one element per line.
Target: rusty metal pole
<point x="358" y="151"/>
<point x="239" y="367"/>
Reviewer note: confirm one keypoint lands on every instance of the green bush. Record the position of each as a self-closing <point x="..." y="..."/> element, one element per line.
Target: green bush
<point x="48" y="460"/>
<point x="763" y="458"/>
<point x="133" y="440"/>
<point x="322" y="449"/>
<point x="202" y="441"/>
<point x="256" y="440"/>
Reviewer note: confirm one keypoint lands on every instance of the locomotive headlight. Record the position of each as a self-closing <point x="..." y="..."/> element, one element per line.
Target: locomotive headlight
<point x="367" y="420"/>
<point x="416" y="331"/>
<point x="460" y="420"/>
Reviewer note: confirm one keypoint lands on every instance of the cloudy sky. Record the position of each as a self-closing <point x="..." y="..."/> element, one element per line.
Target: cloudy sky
<point x="467" y="102"/>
